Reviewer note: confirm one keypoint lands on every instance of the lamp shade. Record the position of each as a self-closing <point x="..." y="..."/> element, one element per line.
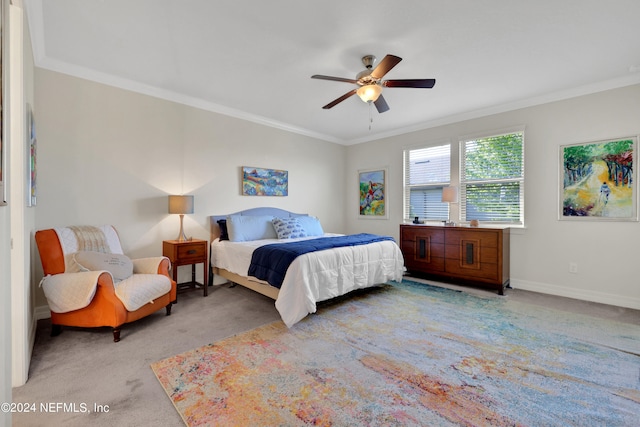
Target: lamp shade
<point x="450" y="194"/>
<point x="181" y="205"/>
<point x="369" y="92"/>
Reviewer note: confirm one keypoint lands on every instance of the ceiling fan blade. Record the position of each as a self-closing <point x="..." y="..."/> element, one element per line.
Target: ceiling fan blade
<point x="381" y="104"/>
<point x="337" y="79"/>
<point x="416" y="83"/>
<point x="339" y="100"/>
<point x="387" y="63"/>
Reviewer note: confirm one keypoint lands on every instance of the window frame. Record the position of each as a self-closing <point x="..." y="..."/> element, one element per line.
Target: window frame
<point x="464" y="182"/>
<point x="457" y="164"/>
<point x="434" y="185"/>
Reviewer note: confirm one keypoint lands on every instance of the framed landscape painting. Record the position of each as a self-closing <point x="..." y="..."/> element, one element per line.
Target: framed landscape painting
<point x="373" y="193"/>
<point x="264" y="182"/>
<point x="598" y="180"/>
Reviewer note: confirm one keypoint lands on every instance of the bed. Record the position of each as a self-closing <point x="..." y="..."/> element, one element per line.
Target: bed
<point x="312" y="277"/>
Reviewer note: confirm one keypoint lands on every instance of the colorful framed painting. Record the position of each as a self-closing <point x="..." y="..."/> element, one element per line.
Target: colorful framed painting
<point x="32" y="144"/>
<point x="264" y="182"/>
<point x="598" y="180"/>
<point x="372" y="185"/>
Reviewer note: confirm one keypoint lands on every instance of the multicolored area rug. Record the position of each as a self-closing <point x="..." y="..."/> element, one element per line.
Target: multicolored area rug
<point x="412" y="354"/>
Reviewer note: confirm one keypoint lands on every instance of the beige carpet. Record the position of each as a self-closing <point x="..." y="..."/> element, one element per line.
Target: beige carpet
<point x="87" y="366"/>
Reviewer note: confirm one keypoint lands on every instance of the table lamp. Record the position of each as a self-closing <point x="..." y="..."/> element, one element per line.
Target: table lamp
<point x="449" y="195"/>
<point x="181" y="205"/>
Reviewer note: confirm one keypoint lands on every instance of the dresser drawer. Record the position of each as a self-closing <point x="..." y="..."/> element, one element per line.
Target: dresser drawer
<point x="415" y="232"/>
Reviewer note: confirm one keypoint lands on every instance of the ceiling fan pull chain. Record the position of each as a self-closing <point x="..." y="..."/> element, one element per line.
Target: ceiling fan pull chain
<point x="370" y="114"/>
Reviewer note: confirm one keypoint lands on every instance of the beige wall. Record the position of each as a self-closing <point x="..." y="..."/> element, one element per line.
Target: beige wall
<point x="111" y="156"/>
<point x="108" y="155"/>
<point x="606" y="252"/>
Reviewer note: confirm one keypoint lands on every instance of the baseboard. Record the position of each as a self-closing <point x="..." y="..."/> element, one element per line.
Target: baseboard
<point x="42" y="312"/>
<point x="581" y="294"/>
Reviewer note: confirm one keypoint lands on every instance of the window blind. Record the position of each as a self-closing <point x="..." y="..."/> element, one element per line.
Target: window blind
<point x="492" y="178"/>
<point x="427" y="171"/>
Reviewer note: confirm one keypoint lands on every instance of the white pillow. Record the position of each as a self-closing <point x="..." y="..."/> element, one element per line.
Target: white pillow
<point x="288" y="228"/>
<point x="120" y="266"/>
<point x="243" y="228"/>
<point x="311" y="225"/>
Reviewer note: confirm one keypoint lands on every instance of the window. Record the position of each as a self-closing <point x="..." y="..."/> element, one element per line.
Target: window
<point x="492" y="178"/>
<point x="427" y="171"/>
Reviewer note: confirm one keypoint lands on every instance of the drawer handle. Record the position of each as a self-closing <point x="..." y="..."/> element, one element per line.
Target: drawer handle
<point x="191" y="251"/>
<point x="469" y="254"/>
<point x="422" y="248"/>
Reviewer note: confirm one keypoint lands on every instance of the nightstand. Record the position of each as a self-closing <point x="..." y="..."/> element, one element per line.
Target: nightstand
<point x="190" y="252"/>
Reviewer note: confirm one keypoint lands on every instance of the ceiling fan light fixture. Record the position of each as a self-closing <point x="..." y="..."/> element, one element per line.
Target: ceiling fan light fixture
<point x="369" y="93"/>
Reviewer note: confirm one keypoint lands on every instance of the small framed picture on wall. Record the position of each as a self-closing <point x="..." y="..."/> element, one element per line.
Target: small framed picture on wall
<point x="373" y="193"/>
<point x="264" y="182"/>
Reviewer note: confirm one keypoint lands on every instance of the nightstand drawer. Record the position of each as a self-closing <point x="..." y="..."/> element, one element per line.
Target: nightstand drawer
<point x="194" y="251"/>
<point x="188" y="252"/>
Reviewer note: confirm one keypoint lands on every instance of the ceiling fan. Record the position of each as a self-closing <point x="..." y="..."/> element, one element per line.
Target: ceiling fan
<point x="371" y="83"/>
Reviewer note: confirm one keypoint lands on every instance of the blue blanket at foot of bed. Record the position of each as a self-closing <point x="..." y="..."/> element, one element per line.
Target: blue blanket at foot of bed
<point x="270" y="262"/>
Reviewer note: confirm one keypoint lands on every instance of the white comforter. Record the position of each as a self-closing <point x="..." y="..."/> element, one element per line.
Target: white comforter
<point x="317" y="276"/>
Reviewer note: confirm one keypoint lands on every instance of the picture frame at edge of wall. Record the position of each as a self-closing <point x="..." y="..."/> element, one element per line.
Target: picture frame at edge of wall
<point x="3" y="128"/>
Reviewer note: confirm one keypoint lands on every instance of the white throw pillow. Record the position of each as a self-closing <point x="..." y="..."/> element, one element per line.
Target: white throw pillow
<point x="120" y="266"/>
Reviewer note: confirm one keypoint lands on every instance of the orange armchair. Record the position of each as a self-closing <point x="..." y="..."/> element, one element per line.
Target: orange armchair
<point x="105" y="304"/>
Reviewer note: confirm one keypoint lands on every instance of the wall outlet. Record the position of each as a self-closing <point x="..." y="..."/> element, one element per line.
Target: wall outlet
<point x="573" y="267"/>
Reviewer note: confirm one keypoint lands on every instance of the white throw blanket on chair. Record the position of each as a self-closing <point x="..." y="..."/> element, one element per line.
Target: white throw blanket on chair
<point x="90" y="238"/>
<point x="70" y="291"/>
<point x="75" y="289"/>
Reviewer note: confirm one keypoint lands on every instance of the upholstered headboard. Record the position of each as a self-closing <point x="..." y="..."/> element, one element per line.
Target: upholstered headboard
<point x="276" y="212"/>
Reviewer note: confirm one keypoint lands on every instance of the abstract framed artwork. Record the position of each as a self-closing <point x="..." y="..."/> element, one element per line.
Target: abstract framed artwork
<point x="597" y="180"/>
<point x="372" y="185"/>
<point x="264" y="182"/>
<point x="31" y="143"/>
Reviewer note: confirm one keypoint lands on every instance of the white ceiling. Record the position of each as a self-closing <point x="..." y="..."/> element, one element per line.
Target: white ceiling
<point x="254" y="59"/>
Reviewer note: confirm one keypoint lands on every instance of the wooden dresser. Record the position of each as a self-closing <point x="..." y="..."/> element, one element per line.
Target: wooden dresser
<point x="472" y="255"/>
